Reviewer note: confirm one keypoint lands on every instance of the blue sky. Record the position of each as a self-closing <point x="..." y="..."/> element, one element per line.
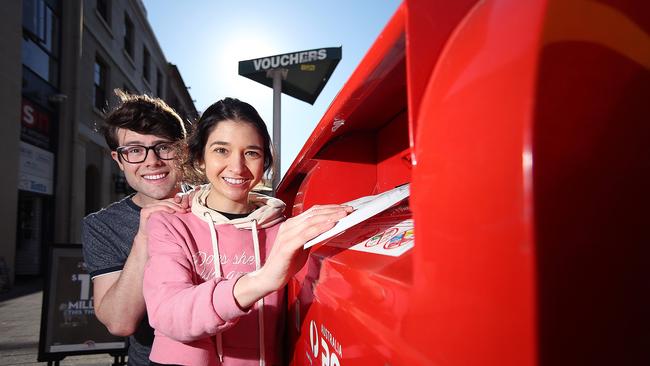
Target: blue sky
<point x="207" y="38"/>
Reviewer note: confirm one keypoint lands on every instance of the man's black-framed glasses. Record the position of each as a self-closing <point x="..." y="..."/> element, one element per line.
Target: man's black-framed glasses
<point x="138" y="153"/>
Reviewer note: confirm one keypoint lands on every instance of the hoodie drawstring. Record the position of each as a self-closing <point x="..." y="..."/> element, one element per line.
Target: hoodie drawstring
<point x="260" y="302"/>
<point x="217" y="273"/>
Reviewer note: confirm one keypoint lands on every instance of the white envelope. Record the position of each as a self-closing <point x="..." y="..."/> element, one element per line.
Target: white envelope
<point x="364" y="208"/>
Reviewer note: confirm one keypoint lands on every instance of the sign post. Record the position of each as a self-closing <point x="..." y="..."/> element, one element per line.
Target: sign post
<point x="277" y="75"/>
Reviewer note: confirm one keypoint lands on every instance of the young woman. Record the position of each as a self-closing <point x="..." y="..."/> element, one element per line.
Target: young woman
<point x="214" y="282"/>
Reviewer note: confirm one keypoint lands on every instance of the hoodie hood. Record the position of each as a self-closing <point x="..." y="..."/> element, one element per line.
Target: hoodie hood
<point x="268" y="212"/>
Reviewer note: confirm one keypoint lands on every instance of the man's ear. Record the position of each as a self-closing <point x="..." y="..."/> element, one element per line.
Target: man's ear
<point x="117" y="159"/>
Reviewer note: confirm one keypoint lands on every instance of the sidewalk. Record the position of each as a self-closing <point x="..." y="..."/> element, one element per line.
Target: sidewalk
<point x="20" y="321"/>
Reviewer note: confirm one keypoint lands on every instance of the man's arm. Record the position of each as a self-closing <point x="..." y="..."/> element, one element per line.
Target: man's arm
<point x="118" y="299"/>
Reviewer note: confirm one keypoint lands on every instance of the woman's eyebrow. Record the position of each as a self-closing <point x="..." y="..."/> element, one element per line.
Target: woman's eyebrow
<point x="219" y="143"/>
<point x="224" y="143"/>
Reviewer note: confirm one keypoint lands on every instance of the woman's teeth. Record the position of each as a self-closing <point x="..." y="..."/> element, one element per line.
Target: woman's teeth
<point x="234" y="181"/>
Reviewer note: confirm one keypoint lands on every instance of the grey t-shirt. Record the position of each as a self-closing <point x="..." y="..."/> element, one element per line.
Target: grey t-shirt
<point x="107" y="237"/>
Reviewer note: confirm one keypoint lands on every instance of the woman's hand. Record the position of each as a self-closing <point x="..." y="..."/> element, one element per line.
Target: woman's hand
<point x="287" y="255"/>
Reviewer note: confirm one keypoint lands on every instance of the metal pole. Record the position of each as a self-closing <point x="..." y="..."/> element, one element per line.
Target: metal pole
<point x="277" y="93"/>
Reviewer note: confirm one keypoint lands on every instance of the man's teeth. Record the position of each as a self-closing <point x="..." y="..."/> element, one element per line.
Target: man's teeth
<point x="234" y="181"/>
<point x="155" y="176"/>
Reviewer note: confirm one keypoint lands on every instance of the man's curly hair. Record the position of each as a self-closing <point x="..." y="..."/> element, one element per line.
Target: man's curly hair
<point x="145" y="115"/>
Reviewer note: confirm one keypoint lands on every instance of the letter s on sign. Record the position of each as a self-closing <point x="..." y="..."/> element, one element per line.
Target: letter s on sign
<point x="28" y="114"/>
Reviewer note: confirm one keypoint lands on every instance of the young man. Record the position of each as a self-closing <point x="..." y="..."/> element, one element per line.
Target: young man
<point x="140" y="133"/>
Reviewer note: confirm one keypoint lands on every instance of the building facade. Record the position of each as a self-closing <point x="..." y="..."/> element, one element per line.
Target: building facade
<point x="64" y="59"/>
<point x="177" y="95"/>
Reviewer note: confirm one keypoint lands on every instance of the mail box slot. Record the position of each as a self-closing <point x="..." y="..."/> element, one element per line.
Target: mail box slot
<point x="520" y="129"/>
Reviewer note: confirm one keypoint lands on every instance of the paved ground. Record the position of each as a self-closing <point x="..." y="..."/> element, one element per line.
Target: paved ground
<point x="20" y="319"/>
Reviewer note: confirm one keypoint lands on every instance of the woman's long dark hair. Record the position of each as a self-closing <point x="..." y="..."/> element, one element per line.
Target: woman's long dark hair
<point x="228" y="109"/>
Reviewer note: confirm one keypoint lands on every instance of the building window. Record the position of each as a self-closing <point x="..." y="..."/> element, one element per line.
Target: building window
<point x="99" y="81"/>
<point x="40" y="48"/>
<point x="41" y="24"/>
<point x="103" y="10"/>
<point x="128" y="36"/>
<point x="146" y="60"/>
<point x="159" y="84"/>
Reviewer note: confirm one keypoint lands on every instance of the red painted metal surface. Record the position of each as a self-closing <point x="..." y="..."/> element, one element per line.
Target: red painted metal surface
<point x="523" y="130"/>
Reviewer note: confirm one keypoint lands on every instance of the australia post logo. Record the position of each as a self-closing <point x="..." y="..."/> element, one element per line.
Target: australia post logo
<point x="273" y="62"/>
<point x="323" y="345"/>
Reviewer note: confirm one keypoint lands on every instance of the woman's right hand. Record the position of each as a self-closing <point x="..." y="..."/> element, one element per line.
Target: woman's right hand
<point x="287" y="255"/>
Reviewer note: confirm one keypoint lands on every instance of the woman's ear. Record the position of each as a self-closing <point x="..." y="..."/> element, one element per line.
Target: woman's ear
<point x="199" y="166"/>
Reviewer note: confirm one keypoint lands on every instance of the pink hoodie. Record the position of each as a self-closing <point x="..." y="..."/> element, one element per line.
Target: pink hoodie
<point x="190" y="300"/>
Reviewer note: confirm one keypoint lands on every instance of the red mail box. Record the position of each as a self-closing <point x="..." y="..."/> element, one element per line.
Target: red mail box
<point x="522" y="128"/>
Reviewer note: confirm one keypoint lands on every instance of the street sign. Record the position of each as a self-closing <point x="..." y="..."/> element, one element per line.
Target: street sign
<point x="306" y="73"/>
